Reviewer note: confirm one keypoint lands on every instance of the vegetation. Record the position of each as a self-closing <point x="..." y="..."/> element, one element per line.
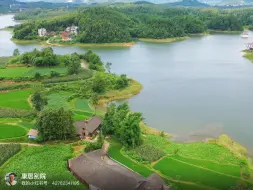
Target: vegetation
<point x="51" y="160"/>
<point x="7" y="151"/>
<point x="38" y="101"/>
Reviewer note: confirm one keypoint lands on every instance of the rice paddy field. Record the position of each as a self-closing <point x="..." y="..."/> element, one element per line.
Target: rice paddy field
<point x="29" y="71"/>
<point x="11" y="131"/>
<point x="80" y="107"/>
<point x="50" y="160"/>
<point x="16" y="99"/>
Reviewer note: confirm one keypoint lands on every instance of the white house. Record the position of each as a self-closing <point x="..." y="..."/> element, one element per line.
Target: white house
<point x="42" y="32"/>
<point x="72" y="29"/>
<point x="32" y="134"/>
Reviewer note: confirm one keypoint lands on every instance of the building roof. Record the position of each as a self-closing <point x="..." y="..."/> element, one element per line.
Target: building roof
<point x="153" y="182"/>
<point x="33" y="132"/>
<point x="100" y="171"/>
<point x="90" y="125"/>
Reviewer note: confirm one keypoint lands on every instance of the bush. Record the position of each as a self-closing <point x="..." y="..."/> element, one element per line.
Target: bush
<point x="7" y="151"/>
<point x="54" y="74"/>
<point x="92" y="146"/>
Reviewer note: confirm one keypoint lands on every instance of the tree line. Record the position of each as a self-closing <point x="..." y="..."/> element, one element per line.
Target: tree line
<point x="125" y="23"/>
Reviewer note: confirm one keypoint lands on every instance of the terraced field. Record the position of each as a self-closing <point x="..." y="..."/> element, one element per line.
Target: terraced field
<point x="187" y="172"/>
<point x="16" y="99"/>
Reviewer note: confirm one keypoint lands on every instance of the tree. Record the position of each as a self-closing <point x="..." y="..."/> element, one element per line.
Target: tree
<point x="120" y="114"/>
<point x="122" y="82"/>
<point x="38" y="100"/>
<point x="107" y="125"/>
<point x="74" y="65"/>
<point x="16" y="52"/>
<point x="108" y="67"/>
<point x="130" y="133"/>
<point x="56" y="124"/>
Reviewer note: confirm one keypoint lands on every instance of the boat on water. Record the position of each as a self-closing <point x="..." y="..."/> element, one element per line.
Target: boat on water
<point x="245" y="35"/>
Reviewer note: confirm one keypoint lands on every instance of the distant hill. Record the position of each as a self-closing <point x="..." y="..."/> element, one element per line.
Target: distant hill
<point x="188" y="3"/>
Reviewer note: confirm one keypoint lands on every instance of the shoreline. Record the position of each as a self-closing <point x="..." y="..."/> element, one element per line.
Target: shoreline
<point x="166" y="40"/>
<point x="224" y="32"/>
<point x="248" y="54"/>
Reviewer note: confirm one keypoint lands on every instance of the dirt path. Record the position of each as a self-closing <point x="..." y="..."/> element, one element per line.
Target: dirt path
<point x="28" y="144"/>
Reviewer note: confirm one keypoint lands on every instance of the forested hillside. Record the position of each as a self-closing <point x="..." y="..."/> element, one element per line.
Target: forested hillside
<point x="124" y="23"/>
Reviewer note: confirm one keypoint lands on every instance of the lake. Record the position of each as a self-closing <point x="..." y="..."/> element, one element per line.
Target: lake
<point x="201" y="87"/>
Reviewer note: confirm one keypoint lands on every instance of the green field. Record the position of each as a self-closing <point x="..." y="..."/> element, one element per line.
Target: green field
<point x="16" y="99"/>
<point x="175" y="169"/>
<point x="29" y="71"/>
<point x="225" y="169"/>
<point x="198" y="150"/>
<point x="51" y="160"/>
<point x="83" y="104"/>
<point x="80" y="107"/>
<point x="193" y="165"/>
<point x="11" y="131"/>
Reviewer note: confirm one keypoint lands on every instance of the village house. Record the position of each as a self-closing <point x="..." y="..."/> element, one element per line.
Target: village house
<point x="99" y="172"/>
<point x="42" y="32"/>
<point x="65" y="36"/>
<point x="32" y="134"/>
<point x="72" y="29"/>
<point x="88" y="128"/>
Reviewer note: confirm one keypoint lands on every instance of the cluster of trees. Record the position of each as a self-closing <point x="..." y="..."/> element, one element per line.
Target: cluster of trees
<point x="103" y="82"/>
<point x="47" y="58"/>
<point x="43" y="58"/>
<point x="123" y="125"/>
<point x="94" y="60"/>
<point x="225" y="22"/>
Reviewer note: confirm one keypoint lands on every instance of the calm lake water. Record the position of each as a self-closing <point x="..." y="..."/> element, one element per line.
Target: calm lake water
<point x="194" y="88"/>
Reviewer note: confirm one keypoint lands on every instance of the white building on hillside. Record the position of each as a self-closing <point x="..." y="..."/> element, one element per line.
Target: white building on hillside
<point x="42" y="32"/>
<point x="72" y="29"/>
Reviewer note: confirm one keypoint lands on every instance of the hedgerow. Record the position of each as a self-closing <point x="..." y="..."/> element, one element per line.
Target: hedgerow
<point x="16" y="113"/>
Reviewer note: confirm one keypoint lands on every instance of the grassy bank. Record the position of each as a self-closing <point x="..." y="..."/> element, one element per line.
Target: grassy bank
<point x="134" y="88"/>
<point x="7" y="29"/>
<point x="248" y="55"/>
<point x="127" y="44"/>
<point x="167" y="40"/>
<point x="224" y="32"/>
<point x="25" y="41"/>
<point x="200" y="34"/>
